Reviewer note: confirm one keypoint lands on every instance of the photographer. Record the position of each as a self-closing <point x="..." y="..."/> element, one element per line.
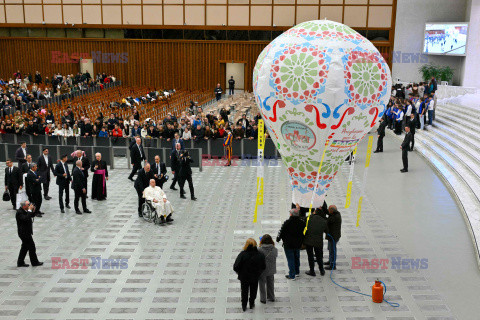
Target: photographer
<point x="24" y="217"/>
<point x="185" y="174"/>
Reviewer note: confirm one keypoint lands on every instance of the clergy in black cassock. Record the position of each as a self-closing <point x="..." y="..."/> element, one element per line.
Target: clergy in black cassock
<point x="100" y="175"/>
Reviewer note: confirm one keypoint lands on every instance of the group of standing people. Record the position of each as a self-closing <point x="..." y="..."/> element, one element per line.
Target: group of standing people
<point x="26" y="182"/>
<point x="256" y="267"/>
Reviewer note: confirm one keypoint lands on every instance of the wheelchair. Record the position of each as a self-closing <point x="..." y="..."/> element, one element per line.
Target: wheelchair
<point x="150" y="213"/>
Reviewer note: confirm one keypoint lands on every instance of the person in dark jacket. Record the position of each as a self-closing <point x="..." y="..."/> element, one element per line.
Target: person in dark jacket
<point x="381" y="135"/>
<point x="63" y="182"/>
<point x="316" y="228"/>
<point x="21" y="154"/>
<point x="159" y="172"/>
<point x="13" y="181"/>
<point x="24" y="217"/>
<point x="249" y="265"/>
<point x="218" y="92"/>
<point x="175" y="164"/>
<point x="266" y="281"/>
<point x="79" y="187"/>
<point x="45" y="165"/>
<point x="137" y="155"/>
<point x="80" y="155"/>
<point x="185" y="174"/>
<point x="405" y="148"/>
<point x="143" y="180"/>
<point x="291" y="234"/>
<point x="33" y="188"/>
<point x="334" y="222"/>
<point x="412" y="123"/>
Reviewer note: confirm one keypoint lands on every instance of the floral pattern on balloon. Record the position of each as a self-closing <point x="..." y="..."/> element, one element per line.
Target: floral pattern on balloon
<point x="298" y="73"/>
<point x="365" y="78"/>
<point x="310" y="30"/>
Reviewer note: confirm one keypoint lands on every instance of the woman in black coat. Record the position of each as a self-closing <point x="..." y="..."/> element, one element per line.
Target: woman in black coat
<point x="249" y="265"/>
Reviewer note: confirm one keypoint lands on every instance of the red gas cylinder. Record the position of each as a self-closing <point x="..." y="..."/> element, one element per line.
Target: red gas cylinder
<point x="377" y="292"/>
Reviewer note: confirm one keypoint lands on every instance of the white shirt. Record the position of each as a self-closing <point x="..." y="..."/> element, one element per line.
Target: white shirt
<point x="140" y="150"/>
<point x="64" y="168"/>
<point x="24" y="151"/>
<point x="46" y="159"/>
<point x="430" y="105"/>
<point x="409" y="110"/>
<point x="154" y="193"/>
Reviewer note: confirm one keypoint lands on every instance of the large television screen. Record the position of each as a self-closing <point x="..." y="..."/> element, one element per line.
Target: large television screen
<point x="446" y="38"/>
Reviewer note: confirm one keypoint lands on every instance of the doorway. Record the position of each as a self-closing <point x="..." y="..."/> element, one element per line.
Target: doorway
<point x="235" y="69"/>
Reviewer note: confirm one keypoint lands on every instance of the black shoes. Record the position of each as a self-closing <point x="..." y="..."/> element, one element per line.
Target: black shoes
<point x="22" y="265"/>
<point x="264" y="302"/>
<point x="183" y="197"/>
<point x="68" y="206"/>
<point x="330" y="268"/>
<point x="322" y="272"/>
<point x="252" y="305"/>
<point x="326" y="263"/>
<point x="244" y="308"/>
<point x="62" y="211"/>
<point x="38" y="215"/>
<point x="130" y="178"/>
<point x="37" y="264"/>
<point x="78" y="212"/>
<point x="404" y="170"/>
<point x="377" y="151"/>
<point x="310" y="273"/>
<point x="173" y="188"/>
<point x="87" y="211"/>
<point x="47" y="197"/>
<point x="193" y="198"/>
<point x="169" y="218"/>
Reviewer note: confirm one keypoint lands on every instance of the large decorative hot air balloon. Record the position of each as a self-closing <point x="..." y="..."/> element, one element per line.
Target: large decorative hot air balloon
<point x="320" y="86"/>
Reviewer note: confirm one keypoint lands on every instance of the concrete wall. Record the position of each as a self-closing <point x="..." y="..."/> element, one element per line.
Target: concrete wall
<point x="470" y="73"/>
<point x="409" y="34"/>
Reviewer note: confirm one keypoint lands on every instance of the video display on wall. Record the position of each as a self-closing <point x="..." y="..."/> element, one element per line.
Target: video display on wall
<point x="445" y="38"/>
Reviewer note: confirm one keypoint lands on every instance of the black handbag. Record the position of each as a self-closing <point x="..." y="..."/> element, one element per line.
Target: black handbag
<point x="6" y="196"/>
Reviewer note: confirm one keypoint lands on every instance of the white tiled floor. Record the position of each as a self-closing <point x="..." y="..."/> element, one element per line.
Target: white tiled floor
<point x="184" y="270"/>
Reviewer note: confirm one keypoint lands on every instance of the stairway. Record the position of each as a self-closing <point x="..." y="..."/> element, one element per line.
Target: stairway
<point x="452" y="147"/>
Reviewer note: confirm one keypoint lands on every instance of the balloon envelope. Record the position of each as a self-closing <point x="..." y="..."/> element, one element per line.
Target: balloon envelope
<point x="320" y="87"/>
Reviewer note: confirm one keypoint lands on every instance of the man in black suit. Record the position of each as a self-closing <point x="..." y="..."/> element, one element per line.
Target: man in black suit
<point x="175" y="164"/>
<point x="176" y="140"/>
<point x="63" y="181"/>
<point x="21" y="154"/>
<point x="79" y="186"/>
<point x="13" y="181"/>
<point x="142" y="181"/>
<point x="412" y="123"/>
<point x="34" y="189"/>
<point x="85" y="166"/>
<point x="381" y="135"/>
<point x="137" y="155"/>
<point x="27" y="165"/>
<point x="159" y="172"/>
<point x="405" y="148"/>
<point x="45" y="165"/>
<point x="185" y="174"/>
<point x="24" y="217"/>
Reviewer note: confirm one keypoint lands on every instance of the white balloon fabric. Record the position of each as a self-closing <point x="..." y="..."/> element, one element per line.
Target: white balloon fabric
<point x="319" y="85"/>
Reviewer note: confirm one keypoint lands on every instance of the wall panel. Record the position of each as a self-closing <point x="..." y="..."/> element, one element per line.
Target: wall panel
<point x="159" y="63"/>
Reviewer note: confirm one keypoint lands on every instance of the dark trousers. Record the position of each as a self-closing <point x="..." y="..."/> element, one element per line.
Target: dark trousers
<point x="61" y="189"/>
<point x="159" y="183"/>
<point x="218" y="96"/>
<point x="141" y="201"/>
<point x="380" y="143"/>
<point x="230" y="91"/>
<point x="332" y="252"/>
<point x="318" y="256"/>
<point x="267" y="288"/>
<point x="80" y="195"/>
<point x="430" y="117"/>
<point x="13" y="195"/>
<point x="46" y="187"/>
<point x="405" y="158"/>
<point x="174" y="180"/>
<point x="28" y="245"/>
<point x="293" y="261"/>
<point x="181" y="183"/>
<point x="136" y="167"/>
<point x="412" y="144"/>
<point x="36" y="199"/>
<point x="246" y="287"/>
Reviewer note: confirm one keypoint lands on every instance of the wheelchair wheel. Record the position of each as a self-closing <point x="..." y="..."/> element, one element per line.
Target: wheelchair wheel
<point x="147" y="212"/>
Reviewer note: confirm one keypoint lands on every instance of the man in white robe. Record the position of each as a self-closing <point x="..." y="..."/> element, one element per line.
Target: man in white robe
<point x="159" y="201"/>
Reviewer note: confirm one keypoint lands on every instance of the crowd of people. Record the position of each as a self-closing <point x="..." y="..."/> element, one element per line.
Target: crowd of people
<point x="26" y="92"/>
<point x="410" y="108"/>
<point x="256" y="266"/>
